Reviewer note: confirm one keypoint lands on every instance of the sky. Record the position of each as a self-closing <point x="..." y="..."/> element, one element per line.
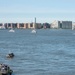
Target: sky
<point x="44" y="10"/>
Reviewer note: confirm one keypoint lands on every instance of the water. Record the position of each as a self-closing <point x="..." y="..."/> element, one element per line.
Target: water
<point x="49" y="52"/>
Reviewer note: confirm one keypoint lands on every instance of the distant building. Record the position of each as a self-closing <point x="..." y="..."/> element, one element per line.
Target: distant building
<point x="21" y="25"/>
<point x="62" y="24"/>
<point x="0" y="25"/>
<point x="55" y="24"/>
<point x="73" y="25"/>
<point x="66" y="25"/>
<point x="46" y="25"/>
<point x="38" y="26"/>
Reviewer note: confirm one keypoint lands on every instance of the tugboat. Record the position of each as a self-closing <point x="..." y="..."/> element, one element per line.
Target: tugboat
<point x="5" y="70"/>
<point x="10" y="55"/>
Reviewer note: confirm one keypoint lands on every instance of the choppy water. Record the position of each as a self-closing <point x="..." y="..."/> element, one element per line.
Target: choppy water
<point x="49" y="52"/>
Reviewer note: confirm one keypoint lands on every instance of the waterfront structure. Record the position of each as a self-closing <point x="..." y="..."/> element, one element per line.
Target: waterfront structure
<point x="38" y="25"/>
<point x="10" y="25"/>
<point x="55" y="24"/>
<point x="73" y="25"/>
<point x="21" y="25"/>
<point x="31" y="25"/>
<point x="66" y="25"/>
<point x="2" y="26"/>
<point x="62" y="24"/>
<point x="46" y="25"/>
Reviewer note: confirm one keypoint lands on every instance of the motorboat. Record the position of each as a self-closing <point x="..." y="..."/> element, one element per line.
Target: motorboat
<point x="33" y="31"/>
<point x="5" y="70"/>
<point x="10" y="55"/>
<point x="11" y="30"/>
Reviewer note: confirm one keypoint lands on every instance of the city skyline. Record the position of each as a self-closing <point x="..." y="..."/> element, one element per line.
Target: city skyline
<point x="43" y="10"/>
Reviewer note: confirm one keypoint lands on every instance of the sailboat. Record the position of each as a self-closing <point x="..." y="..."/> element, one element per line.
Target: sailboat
<point x="34" y="30"/>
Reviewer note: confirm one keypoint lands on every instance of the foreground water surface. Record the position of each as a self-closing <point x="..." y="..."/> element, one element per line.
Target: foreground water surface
<point x="49" y="52"/>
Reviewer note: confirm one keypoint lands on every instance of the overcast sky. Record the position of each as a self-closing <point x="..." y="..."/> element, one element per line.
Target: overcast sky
<point x="43" y="10"/>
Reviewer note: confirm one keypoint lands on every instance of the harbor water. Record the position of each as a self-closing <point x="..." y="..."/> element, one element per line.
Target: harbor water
<point x="48" y="52"/>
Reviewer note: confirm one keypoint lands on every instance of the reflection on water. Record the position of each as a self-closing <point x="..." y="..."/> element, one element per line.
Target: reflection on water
<point x="49" y="52"/>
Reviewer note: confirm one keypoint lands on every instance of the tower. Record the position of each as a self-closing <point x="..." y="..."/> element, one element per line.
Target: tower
<point x="35" y="23"/>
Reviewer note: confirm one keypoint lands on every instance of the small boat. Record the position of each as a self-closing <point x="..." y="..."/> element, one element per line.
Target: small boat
<point x="5" y="70"/>
<point x="10" y="55"/>
<point x="11" y="30"/>
<point x="33" y="31"/>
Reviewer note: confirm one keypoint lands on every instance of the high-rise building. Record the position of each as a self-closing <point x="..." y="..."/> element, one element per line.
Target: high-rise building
<point x="66" y="24"/>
